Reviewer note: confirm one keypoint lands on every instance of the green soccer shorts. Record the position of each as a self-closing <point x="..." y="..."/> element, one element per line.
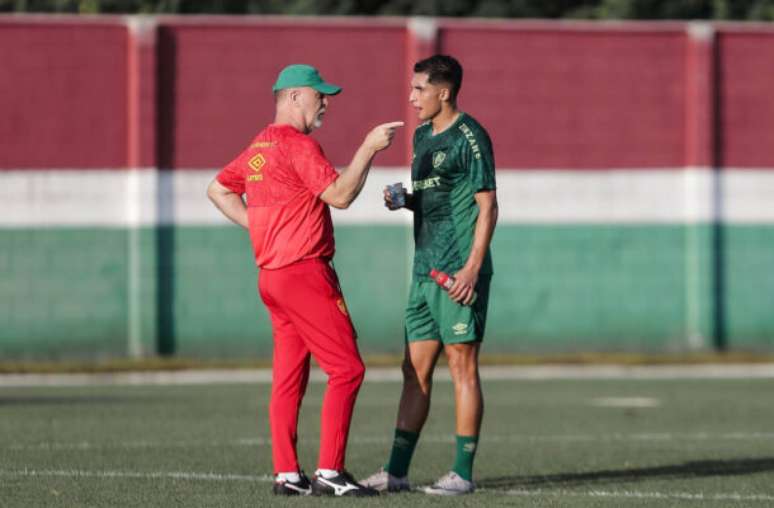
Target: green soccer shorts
<point x="432" y="315"/>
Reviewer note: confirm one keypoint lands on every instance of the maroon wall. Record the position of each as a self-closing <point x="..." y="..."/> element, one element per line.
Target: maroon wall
<point x="101" y="93"/>
<point x="216" y="85"/>
<point x="575" y="99"/>
<point x="746" y="85"/>
<point x="62" y="94"/>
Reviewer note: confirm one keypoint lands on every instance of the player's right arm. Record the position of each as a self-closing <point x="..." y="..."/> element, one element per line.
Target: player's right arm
<point x="344" y="189"/>
<point x="410" y="204"/>
<point x="228" y="202"/>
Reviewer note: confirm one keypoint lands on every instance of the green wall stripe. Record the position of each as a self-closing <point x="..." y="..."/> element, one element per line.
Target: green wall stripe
<point x="64" y="291"/>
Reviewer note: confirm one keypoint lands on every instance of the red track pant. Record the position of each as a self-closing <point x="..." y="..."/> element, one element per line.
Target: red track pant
<point x="309" y="316"/>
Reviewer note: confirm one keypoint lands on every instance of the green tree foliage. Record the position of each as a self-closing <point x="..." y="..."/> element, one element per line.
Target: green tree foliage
<point x="574" y="9"/>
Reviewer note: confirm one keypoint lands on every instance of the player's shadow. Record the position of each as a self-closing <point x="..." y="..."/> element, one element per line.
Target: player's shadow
<point x="693" y="469"/>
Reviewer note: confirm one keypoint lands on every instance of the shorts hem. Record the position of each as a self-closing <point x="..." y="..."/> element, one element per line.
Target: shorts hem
<point x="421" y="339"/>
<point x="461" y="340"/>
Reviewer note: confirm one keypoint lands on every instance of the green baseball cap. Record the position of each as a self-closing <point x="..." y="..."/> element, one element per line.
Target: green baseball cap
<point x="298" y="75"/>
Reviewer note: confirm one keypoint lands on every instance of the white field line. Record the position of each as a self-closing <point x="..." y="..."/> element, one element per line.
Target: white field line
<point x="191" y="476"/>
<point x="633" y="494"/>
<point x="625" y="402"/>
<point x="386" y="375"/>
<point x="428" y="439"/>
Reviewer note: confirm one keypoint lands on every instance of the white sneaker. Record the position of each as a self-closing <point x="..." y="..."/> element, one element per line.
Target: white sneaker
<point x="450" y="484"/>
<point x="384" y="481"/>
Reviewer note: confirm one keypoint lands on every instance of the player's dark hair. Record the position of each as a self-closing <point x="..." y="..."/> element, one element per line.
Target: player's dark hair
<point x="442" y="69"/>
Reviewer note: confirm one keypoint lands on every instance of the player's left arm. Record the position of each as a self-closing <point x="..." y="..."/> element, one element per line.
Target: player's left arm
<point x="466" y="279"/>
<point x="479" y="158"/>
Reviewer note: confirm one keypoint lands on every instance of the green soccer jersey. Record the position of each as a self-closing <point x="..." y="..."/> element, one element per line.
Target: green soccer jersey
<point x="447" y="170"/>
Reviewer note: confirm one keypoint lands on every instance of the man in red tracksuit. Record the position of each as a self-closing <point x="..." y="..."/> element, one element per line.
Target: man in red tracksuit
<point x="289" y="184"/>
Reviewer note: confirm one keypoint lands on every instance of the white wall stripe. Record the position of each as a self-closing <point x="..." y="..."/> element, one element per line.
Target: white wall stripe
<point x="614" y="196"/>
<point x="121" y="198"/>
<point x="748" y="196"/>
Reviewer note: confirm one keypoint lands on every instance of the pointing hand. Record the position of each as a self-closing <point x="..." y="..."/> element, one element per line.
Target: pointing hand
<point x="381" y="136"/>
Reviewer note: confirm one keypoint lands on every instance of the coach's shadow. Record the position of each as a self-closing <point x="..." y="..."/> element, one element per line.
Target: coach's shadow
<point x="694" y="469"/>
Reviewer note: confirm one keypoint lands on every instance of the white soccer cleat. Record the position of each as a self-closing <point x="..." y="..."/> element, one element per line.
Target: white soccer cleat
<point x="384" y="481"/>
<point x="450" y="484"/>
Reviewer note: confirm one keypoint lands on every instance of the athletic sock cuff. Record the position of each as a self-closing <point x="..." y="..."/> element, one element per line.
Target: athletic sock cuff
<point x="466" y="452"/>
<point x="403" y="445"/>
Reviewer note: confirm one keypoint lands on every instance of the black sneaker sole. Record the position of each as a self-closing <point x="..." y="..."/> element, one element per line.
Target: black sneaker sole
<point x="281" y="490"/>
<point x="329" y="492"/>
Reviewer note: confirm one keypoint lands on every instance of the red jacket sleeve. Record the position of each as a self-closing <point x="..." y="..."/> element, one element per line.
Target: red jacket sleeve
<point x="232" y="176"/>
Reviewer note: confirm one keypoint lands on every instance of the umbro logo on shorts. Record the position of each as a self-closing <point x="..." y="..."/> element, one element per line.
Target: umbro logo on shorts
<point x="460" y="329"/>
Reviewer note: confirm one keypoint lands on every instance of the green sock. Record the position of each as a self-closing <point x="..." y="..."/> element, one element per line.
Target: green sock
<point x="402" y="449"/>
<point x="466" y="452"/>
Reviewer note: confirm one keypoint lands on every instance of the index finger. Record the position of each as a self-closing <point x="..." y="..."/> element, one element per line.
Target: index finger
<point x="392" y="125"/>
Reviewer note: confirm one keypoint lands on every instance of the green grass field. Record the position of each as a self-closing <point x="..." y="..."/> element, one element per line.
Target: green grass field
<point x="579" y="443"/>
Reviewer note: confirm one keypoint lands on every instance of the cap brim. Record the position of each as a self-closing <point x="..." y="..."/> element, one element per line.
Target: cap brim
<point x="327" y="88"/>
